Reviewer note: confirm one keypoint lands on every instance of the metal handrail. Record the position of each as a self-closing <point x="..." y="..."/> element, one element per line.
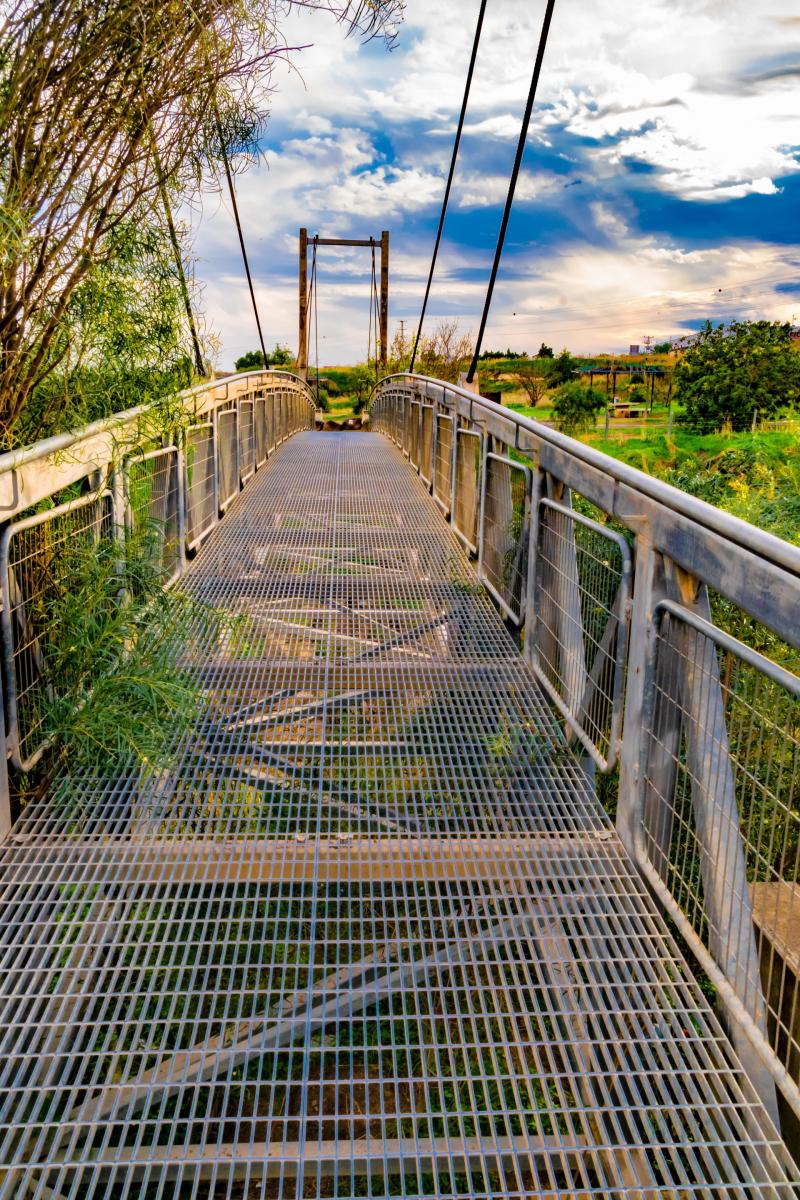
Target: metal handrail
<point x="101" y="456"/>
<point x="767" y="545"/>
<point x="698" y="792"/>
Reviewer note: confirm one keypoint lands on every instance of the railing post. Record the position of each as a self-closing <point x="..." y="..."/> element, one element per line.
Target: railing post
<point x="180" y="491"/>
<point x="531" y="611"/>
<point x="119" y="517"/>
<point x="648" y="589"/>
<point x="5" y="793"/>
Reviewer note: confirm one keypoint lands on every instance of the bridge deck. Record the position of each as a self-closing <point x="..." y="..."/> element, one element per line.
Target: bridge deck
<point x="371" y="932"/>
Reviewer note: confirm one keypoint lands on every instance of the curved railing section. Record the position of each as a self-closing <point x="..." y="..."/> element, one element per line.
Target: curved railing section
<point x="666" y="634"/>
<point x="175" y="470"/>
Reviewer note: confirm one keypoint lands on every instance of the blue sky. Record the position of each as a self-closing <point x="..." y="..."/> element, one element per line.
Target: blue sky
<point x="661" y="181"/>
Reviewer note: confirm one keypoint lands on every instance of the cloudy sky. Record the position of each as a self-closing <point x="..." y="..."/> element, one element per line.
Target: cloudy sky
<point x="661" y="181"/>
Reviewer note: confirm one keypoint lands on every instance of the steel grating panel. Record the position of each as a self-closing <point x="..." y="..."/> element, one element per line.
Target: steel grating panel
<point x="370" y="934"/>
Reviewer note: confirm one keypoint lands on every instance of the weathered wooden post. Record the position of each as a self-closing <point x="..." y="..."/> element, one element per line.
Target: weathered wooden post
<point x="384" y="307"/>
<point x="302" y="336"/>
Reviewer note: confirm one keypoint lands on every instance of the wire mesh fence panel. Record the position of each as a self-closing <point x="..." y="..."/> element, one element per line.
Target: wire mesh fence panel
<point x="281" y="416"/>
<point x="443" y="466"/>
<point x="426" y="443"/>
<point x="467" y="486"/>
<point x="272" y="436"/>
<point x="44" y="561"/>
<point x="227" y="457"/>
<point x="261" y="430"/>
<point x="721" y="812"/>
<point x="413" y="442"/>
<point x="151" y="486"/>
<point x="201" y="483"/>
<point x="579" y="638"/>
<point x="407" y="427"/>
<point x="505" y="533"/>
<point x="247" y="440"/>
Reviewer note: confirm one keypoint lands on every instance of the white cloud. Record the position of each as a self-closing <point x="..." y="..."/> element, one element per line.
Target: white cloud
<point x="679" y="85"/>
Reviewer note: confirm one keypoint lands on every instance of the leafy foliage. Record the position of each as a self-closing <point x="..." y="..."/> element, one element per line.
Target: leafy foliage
<point x="105" y="110"/>
<point x="281" y="356"/>
<point x="113" y="693"/>
<point x="123" y="334"/>
<point x="575" y="407"/>
<point x="563" y="368"/>
<point x="733" y="372"/>
<point x="544" y="351"/>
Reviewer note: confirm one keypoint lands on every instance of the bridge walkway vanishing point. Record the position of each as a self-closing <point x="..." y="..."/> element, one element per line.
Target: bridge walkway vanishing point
<point x="371" y="932"/>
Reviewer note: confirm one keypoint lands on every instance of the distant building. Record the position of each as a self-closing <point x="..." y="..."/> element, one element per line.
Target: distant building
<point x="634" y="349"/>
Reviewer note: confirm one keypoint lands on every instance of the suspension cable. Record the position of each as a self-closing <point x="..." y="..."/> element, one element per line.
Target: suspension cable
<point x="176" y="251"/>
<point x="523" y="137"/>
<point x="449" y="183"/>
<point x="236" y="218"/>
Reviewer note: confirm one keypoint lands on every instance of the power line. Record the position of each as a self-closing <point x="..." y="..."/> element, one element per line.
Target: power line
<point x="451" y="173"/>
<point x="232" y="192"/>
<point x="176" y="251"/>
<point x="523" y="137"/>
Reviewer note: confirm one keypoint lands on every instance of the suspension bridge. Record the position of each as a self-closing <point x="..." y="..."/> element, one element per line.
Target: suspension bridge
<point x="368" y="929"/>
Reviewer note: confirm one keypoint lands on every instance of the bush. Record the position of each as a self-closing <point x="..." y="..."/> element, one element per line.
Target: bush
<point x="562" y="368"/>
<point x="576" y="407"/>
<point x="734" y="372"/>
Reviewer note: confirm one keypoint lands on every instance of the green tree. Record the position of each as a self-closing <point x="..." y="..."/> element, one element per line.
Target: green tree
<point x="662" y="348"/>
<point x="732" y="372"/>
<point x="107" y="110"/>
<point x="576" y="407"/>
<point x="253" y="360"/>
<point x="281" y="356"/>
<point x="544" y="351"/>
<point x="562" y="368"/>
<point x="533" y="381"/>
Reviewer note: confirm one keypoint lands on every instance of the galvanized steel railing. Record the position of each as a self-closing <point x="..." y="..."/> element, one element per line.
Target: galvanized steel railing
<point x="666" y="634"/>
<point x="111" y="479"/>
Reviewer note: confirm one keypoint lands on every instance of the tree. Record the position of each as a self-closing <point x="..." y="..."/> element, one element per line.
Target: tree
<point x="253" y="360"/>
<point x="362" y="379"/>
<point x="576" y="407"/>
<point x="662" y="347"/>
<point x="104" y="110"/>
<point x="544" y="351"/>
<point x="445" y="354"/>
<point x="732" y="372"/>
<point x="563" y="368"/>
<point x="533" y="381"/>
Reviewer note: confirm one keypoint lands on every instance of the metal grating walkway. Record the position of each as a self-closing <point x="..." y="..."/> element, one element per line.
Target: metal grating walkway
<point x="371" y="935"/>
